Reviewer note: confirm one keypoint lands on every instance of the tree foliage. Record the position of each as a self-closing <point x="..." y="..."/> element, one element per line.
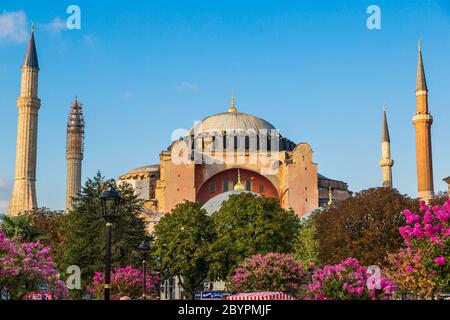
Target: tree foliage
<point x="182" y="242"/>
<point x="306" y="247"/>
<point x="84" y="236"/>
<point x="21" y="227"/>
<point x="364" y="226"/>
<point x="246" y="225"/>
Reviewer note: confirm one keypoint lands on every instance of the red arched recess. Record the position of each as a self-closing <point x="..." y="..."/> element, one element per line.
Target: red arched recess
<point x="215" y="185"/>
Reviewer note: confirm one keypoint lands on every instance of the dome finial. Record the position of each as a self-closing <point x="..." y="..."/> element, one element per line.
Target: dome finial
<point x="239" y="185"/>
<point x="330" y="197"/>
<point x="233" y="107"/>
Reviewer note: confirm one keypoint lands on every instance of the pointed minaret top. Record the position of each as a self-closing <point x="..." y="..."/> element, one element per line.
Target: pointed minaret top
<point x="385" y="136"/>
<point x="30" y="59"/>
<point x="233" y="107"/>
<point x="421" y="79"/>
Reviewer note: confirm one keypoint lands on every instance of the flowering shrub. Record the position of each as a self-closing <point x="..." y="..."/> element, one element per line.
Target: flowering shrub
<point x="348" y="281"/>
<point x="406" y="268"/>
<point x="272" y="272"/>
<point x="27" y="268"/>
<point x="423" y="266"/>
<point x="125" y="281"/>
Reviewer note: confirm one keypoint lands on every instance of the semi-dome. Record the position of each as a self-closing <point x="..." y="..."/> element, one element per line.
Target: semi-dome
<point x="214" y="204"/>
<point x="141" y="172"/>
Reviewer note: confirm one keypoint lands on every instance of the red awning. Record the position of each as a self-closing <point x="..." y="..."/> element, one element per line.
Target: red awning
<point x="261" y="296"/>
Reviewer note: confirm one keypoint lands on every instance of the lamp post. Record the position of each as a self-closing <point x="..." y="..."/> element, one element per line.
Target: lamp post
<point x="110" y="209"/>
<point x="144" y="247"/>
<point x="310" y="273"/>
<point x="159" y="273"/>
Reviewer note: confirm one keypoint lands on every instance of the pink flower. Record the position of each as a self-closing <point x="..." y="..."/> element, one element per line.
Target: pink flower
<point x="428" y="218"/>
<point x="439" y="260"/>
<point x="412" y="218"/>
<point x="409" y="269"/>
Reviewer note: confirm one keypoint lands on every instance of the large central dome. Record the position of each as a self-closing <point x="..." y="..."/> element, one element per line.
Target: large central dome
<point x="238" y="125"/>
<point x="231" y="121"/>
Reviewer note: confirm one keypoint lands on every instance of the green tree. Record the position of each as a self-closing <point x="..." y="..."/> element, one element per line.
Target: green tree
<point x="182" y="242"/>
<point x="247" y="225"/>
<point x="84" y="243"/>
<point x="363" y="227"/>
<point x="306" y="246"/>
<point x="51" y="224"/>
<point x="21" y="227"/>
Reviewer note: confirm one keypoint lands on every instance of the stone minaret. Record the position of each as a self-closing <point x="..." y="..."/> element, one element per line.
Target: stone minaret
<point x="74" y="152"/>
<point x="386" y="162"/>
<point x="28" y="103"/>
<point x="422" y="121"/>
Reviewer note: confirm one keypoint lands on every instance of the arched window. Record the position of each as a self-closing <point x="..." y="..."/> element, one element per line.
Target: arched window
<point x="248" y="185"/>
<point x="212" y="187"/>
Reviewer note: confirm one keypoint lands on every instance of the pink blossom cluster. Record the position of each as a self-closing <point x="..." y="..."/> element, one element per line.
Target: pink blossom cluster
<point x="433" y="226"/>
<point x="125" y="281"/>
<point x="26" y="266"/>
<point x="427" y="238"/>
<point x="348" y="280"/>
<point x="413" y="259"/>
<point x="271" y="272"/>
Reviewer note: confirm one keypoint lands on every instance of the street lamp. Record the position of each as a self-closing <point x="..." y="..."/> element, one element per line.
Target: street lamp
<point x="144" y="247"/>
<point x="160" y="275"/>
<point x="110" y="209"/>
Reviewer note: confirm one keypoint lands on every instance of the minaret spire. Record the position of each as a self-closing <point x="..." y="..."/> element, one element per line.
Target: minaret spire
<point x="30" y="59"/>
<point x="74" y="151"/>
<point x="421" y="84"/>
<point x="422" y="122"/>
<point x="24" y="191"/>
<point x="385" y="136"/>
<point x="386" y="162"/>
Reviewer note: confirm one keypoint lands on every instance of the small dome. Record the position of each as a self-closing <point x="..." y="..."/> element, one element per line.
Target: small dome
<point x="214" y="204"/>
<point x="231" y="121"/>
<point x="141" y="171"/>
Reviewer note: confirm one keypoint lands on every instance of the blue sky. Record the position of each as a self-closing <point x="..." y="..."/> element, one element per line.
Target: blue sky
<point x="145" y="68"/>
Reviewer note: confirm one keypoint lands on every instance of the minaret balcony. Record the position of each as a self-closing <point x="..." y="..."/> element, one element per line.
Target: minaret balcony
<point x="422" y="117"/>
<point x="386" y="162"/>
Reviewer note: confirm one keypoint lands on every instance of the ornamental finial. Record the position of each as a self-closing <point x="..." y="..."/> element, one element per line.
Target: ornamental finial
<point x="239" y="185"/>
<point x="330" y="197"/>
<point x="233" y="107"/>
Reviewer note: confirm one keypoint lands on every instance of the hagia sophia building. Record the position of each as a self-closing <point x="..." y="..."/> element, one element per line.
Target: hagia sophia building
<point x="226" y="150"/>
<point x="225" y="153"/>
